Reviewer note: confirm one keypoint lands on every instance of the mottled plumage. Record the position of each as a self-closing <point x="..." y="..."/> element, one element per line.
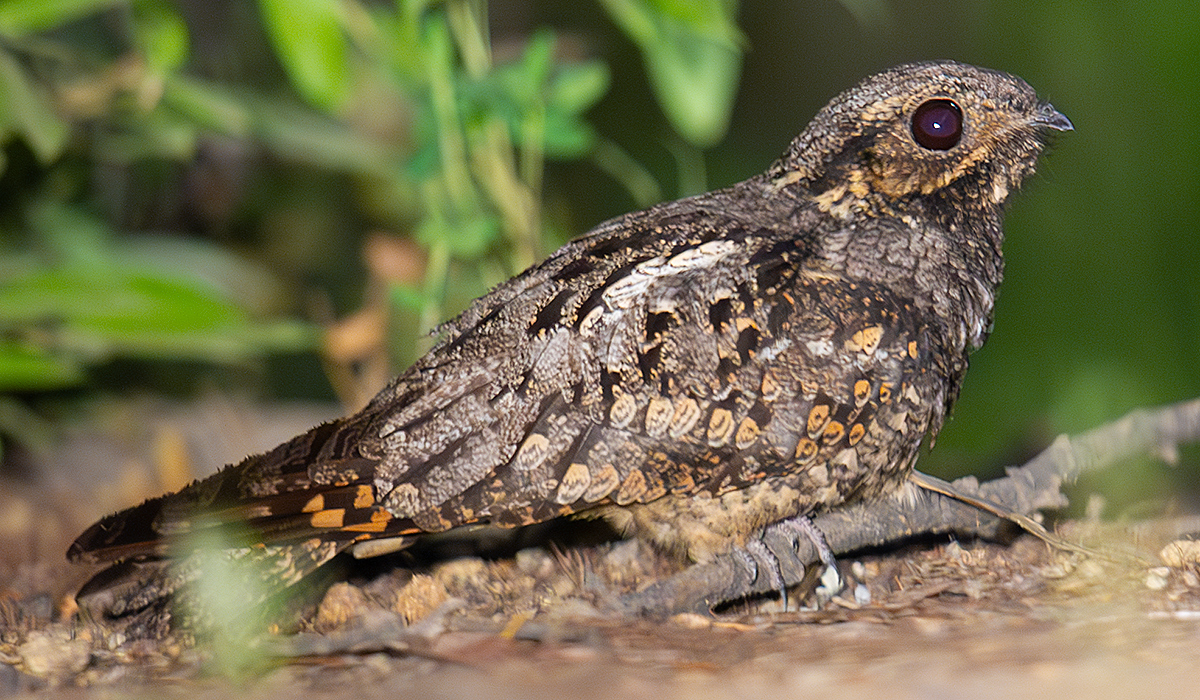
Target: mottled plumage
<point x="693" y="372"/>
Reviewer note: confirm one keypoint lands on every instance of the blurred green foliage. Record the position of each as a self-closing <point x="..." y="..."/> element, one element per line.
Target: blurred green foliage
<point x="276" y="136"/>
<point x="438" y="140"/>
<point x="693" y="54"/>
<point x="87" y="297"/>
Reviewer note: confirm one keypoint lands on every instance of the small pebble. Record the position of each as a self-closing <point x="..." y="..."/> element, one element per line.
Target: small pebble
<point x="1156" y="578"/>
<point x="1092" y="570"/>
<point x="692" y="621"/>
<point x="1180" y="553"/>
<point x="53" y="653"/>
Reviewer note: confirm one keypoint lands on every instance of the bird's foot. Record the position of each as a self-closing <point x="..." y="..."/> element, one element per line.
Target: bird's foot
<point x="793" y="528"/>
<point x="758" y="559"/>
<point x="774" y="548"/>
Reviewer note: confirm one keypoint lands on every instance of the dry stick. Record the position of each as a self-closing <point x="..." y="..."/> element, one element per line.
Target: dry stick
<point x="1033" y="527"/>
<point x="1024" y="490"/>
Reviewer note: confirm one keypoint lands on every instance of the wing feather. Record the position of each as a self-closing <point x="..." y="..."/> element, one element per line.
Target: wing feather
<point x="641" y="371"/>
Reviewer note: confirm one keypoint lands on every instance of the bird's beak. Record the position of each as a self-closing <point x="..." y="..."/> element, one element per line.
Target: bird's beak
<point x="1049" y="117"/>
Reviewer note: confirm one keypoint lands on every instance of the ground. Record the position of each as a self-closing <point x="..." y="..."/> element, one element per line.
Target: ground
<point x="936" y="618"/>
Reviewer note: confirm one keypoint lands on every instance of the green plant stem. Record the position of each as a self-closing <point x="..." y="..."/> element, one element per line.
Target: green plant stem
<point x="693" y="173"/>
<point x="492" y="158"/>
<point x="468" y="24"/>
<point x="532" y="167"/>
<point x="437" y="267"/>
<point x="625" y="169"/>
<point x="450" y="141"/>
<point x="361" y="27"/>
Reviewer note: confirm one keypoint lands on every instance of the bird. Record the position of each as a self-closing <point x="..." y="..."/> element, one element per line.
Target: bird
<point x="693" y="373"/>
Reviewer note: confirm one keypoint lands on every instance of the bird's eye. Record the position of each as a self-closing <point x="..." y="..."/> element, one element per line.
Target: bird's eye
<point x="937" y="125"/>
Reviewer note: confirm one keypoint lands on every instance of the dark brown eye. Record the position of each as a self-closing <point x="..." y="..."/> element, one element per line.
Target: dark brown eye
<point x="937" y="125"/>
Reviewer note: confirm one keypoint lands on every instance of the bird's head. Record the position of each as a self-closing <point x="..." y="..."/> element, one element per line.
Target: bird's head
<point x="941" y="130"/>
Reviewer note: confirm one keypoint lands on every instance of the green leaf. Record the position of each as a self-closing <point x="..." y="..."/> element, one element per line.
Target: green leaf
<point x="578" y="86"/>
<point x="207" y="105"/>
<point x="24" y="368"/>
<point x="204" y="264"/>
<point x="636" y="18"/>
<point x="161" y="35"/>
<point x="406" y="296"/>
<point x="96" y="318"/>
<point x="468" y="239"/>
<point x="566" y="136"/>
<point x="573" y="89"/>
<point x="713" y="18"/>
<point x="158" y="134"/>
<point x="25" y="16"/>
<point x="230" y="344"/>
<point x="474" y="237"/>
<point x="533" y="88"/>
<point x="693" y="55"/>
<point x="26" y="109"/>
<point x="695" y="81"/>
<point x="96" y="298"/>
<point x="49" y="296"/>
<point x="69" y="236"/>
<point x="308" y="39"/>
<point x="538" y="60"/>
<point x="310" y="137"/>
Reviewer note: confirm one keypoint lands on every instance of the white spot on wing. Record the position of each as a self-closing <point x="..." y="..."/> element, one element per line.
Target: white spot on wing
<point x="770" y="352"/>
<point x="820" y="347"/>
<point x="625" y="292"/>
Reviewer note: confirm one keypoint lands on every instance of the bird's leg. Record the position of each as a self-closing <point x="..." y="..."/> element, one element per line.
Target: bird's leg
<point x="801" y="525"/>
<point x="790" y="530"/>
<point x="759" y="559"/>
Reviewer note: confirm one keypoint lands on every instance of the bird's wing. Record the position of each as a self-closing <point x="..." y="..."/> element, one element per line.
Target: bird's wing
<point x="616" y="373"/>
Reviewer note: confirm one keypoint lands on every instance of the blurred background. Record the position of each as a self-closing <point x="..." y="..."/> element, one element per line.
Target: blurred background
<point x="223" y="221"/>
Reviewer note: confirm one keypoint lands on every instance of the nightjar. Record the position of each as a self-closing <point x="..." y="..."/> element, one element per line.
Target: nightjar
<point x="693" y="373"/>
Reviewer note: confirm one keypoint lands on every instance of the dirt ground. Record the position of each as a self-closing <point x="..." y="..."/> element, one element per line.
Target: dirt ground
<point x="940" y="619"/>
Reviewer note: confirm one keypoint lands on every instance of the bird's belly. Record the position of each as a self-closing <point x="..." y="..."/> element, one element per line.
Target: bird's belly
<point x="702" y="525"/>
